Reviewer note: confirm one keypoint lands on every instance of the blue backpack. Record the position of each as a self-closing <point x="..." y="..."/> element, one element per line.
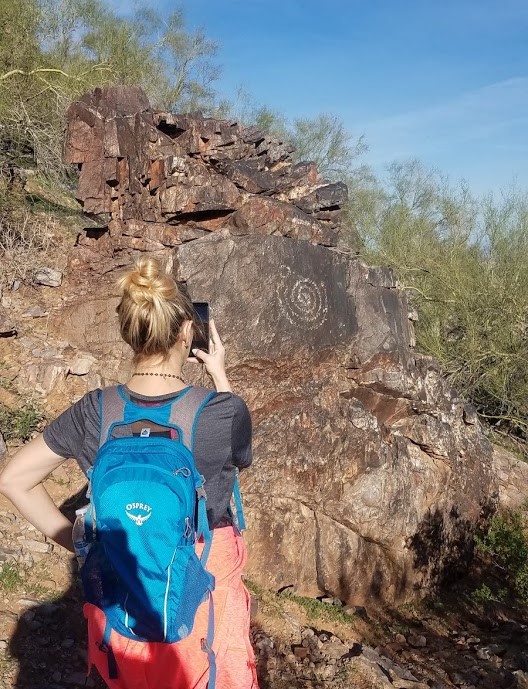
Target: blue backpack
<point x="147" y="509"/>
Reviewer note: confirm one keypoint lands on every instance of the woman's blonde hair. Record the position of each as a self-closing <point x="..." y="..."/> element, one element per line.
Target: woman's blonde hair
<point x="152" y="309"/>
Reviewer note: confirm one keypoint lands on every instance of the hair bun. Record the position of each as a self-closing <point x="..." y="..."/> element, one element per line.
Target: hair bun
<point x="147" y="282"/>
<point x="152" y="308"/>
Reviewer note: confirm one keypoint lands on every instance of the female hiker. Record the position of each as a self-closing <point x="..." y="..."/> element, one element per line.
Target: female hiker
<point x="142" y="641"/>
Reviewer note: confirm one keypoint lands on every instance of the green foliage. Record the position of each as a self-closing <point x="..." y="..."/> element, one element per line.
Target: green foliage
<point x="18" y="31"/>
<point x="6" y="384"/>
<point x="52" y="51"/>
<point x="505" y="546"/>
<point x="255" y="588"/>
<point x="483" y="594"/>
<point x="464" y="263"/>
<point x="27" y="237"/>
<point x="20" y="424"/>
<point x="10" y="577"/>
<point x="145" y="48"/>
<point x="322" y="139"/>
<point x="325" y="140"/>
<point x="316" y="610"/>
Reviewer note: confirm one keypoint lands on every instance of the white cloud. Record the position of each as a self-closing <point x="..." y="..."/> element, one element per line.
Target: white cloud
<point x="488" y="114"/>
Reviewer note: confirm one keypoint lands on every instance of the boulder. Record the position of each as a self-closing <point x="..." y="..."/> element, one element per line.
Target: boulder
<point x="49" y="277"/>
<point x="327" y="197"/>
<point x="151" y="168"/>
<point x="247" y="175"/>
<point x="371" y="475"/>
<point x="195" y="189"/>
<point x="367" y="483"/>
<point x="81" y="364"/>
<point x="117" y="100"/>
<point x="35" y="311"/>
<point x="267" y="216"/>
<point x="358" y="495"/>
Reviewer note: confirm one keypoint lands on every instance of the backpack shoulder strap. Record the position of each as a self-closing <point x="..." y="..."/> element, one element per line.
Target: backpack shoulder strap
<point x="111" y="410"/>
<point x="185" y="412"/>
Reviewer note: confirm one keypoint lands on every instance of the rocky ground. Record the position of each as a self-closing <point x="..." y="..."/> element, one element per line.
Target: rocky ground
<point x="299" y="642"/>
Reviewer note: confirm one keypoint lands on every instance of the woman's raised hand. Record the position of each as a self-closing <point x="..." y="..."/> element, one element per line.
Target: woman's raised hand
<point x="214" y="360"/>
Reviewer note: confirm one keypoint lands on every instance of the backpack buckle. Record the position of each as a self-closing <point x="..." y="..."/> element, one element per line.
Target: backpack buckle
<point x="200" y="492"/>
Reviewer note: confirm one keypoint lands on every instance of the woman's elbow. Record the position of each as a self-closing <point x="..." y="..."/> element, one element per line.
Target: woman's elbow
<point x="29" y="467"/>
<point x="10" y="476"/>
<point x="6" y="483"/>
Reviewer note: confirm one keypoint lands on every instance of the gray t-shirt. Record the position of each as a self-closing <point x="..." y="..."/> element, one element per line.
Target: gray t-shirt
<point x="222" y="441"/>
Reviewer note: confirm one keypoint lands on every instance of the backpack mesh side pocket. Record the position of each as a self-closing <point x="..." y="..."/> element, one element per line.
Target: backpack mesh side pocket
<point x="99" y="581"/>
<point x="194" y="586"/>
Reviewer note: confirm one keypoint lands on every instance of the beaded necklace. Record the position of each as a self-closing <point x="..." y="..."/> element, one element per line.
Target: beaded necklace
<point x="163" y="375"/>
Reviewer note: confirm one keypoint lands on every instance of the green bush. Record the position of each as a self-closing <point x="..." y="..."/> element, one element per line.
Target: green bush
<point x="464" y="264"/>
<point x="483" y="595"/>
<point x="316" y="609"/>
<point x="505" y="546"/>
<point x="20" y="424"/>
<point x="53" y="51"/>
<point x="11" y="577"/>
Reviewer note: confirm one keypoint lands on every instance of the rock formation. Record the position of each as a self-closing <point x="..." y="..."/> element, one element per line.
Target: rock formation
<point x="370" y="473"/>
<point x="512" y="476"/>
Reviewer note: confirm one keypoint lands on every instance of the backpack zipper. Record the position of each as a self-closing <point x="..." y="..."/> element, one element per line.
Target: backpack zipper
<point x="167" y="588"/>
<point x="174" y="473"/>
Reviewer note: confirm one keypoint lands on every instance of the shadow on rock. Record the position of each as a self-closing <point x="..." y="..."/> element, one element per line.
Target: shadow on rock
<point x="50" y="639"/>
<point x="50" y="644"/>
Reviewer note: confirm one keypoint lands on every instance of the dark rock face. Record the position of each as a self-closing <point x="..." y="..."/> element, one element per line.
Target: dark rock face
<point x="279" y="299"/>
<point x="368" y="480"/>
<point x="329" y="197"/>
<point x="268" y="216"/>
<point x="370" y="476"/>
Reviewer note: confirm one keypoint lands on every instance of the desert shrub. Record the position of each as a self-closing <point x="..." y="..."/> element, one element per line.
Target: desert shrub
<point x="53" y="51"/>
<point x="20" y="424"/>
<point x="504" y="545"/>
<point x="464" y="264"/>
<point x="27" y="242"/>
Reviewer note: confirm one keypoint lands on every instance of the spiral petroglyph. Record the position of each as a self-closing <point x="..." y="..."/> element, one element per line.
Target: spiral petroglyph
<point x="303" y="301"/>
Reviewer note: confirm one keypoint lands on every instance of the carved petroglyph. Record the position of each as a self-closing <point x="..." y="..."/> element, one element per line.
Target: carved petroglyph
<point x="304" y="302"/>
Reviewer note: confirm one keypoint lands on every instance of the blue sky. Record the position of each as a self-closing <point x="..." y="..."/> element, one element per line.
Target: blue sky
<point x="442" y="80"/>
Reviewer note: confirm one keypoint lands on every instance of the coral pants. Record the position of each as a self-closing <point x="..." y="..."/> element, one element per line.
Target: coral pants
<point x="184" y="665"/>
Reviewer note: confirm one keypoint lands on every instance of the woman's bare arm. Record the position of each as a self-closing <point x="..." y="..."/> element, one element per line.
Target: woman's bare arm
<point x="21" y="482"/>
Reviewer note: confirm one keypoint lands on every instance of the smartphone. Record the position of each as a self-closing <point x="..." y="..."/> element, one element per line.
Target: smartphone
<point x="201" y="326"/>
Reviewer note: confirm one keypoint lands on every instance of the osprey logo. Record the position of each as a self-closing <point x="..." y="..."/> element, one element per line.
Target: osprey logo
<point x="138" y="519"/>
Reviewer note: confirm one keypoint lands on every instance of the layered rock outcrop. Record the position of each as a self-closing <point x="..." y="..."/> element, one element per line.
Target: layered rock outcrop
<point x="370" y="472"/>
